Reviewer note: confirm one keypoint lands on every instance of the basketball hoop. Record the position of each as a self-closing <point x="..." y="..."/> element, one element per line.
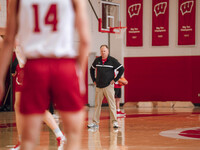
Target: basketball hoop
<point x="109" y="20"/>
<point x="114" y="30"/>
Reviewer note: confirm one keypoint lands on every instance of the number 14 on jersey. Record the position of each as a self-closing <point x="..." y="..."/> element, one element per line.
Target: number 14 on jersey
<point x="49" y="19"/>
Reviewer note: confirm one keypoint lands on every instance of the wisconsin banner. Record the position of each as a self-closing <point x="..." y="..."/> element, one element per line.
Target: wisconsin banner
<point x="186" y="22"/>
<point x="160" y="23"/>
<point x="134" y="15"/>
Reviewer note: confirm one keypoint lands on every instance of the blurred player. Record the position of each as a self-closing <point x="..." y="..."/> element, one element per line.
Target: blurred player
<point x="54" y="68"/>
<point x="1" y="42"/>
<point x="118" y="93"/>
<point x="48" y="118"/>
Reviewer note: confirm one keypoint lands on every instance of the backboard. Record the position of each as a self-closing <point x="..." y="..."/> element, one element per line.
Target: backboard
<point x="110" y="17"/>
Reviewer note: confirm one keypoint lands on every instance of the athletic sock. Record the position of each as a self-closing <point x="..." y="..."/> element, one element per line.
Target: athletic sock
<point x="20" y="138"/>
<point x="58" y="132"/>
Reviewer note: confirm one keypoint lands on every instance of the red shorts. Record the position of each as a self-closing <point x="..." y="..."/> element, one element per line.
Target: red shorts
<point x="19" y="79"/>
<point x="50" y="79"/>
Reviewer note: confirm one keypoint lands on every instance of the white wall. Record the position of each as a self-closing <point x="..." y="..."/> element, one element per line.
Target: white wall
<point x="118" y="47"/>
<point x="97" y="40"/>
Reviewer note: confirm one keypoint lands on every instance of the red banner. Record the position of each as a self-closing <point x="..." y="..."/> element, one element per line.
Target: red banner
<point x="186" y="22"/>
<point x="160" y="22"/>
<point x="134" y="15"/>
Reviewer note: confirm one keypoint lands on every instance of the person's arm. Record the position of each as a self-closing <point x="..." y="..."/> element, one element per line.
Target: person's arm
<point x="8" y="44"/>
<point x="2" y="31"/>
<point x="92" y="71"/>
<point x="125" y="82"/>
<point x="81" y="22"/>
<point x="121" y="71"/>
<point x="1" y="42"/>
<point x="119" y="68"/>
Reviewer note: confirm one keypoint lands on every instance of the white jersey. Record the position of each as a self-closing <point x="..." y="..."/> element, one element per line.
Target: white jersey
<point x="46" y="28"/>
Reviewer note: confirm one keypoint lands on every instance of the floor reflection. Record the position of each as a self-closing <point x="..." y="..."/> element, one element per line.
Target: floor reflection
<point x="142" y="129"/>
<point x="97" y="138"/>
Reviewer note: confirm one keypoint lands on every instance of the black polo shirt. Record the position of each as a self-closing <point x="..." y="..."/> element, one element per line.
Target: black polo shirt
<point x="105" y="72"/>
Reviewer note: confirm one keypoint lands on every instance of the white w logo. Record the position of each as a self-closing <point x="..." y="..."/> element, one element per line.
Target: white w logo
<point x="134" y="10"/>
<point x="186" y="7"/>
<point x="160" y="8"/>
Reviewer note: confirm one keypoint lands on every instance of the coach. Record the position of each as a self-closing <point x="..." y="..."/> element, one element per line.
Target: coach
<point x="104" y="81"/>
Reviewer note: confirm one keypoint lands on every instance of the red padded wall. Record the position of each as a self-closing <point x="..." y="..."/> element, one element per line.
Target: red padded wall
<point x="162" y="78"/>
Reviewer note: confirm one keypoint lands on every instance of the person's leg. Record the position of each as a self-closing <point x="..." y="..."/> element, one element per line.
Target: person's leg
<point x="98" y="101"/>
<point x="109" y="94"/>
<point x="18" y="114"/>
<point x="48" y="119"/>
<point x="31" y="130"/>
<point x="117" y="98"/>
<point x="51" y="123"/>
<point x="73" y="123"/>
<point x="65" y="87"/>
<point x="117" y="103"/>
<point x="18" y="87"/>
<point x="34" y="101"/>
<point x="18" y="120"/>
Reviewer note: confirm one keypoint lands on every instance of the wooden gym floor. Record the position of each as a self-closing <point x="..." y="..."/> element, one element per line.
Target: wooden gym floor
<point x="142" y="129"/>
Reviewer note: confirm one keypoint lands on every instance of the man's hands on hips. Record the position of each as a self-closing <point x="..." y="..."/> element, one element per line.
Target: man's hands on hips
<point x="112" y="82"/>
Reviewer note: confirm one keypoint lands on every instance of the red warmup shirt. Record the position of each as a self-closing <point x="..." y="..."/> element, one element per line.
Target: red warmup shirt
<point x="117" y="86"/>
<point x="104" y="60"/>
